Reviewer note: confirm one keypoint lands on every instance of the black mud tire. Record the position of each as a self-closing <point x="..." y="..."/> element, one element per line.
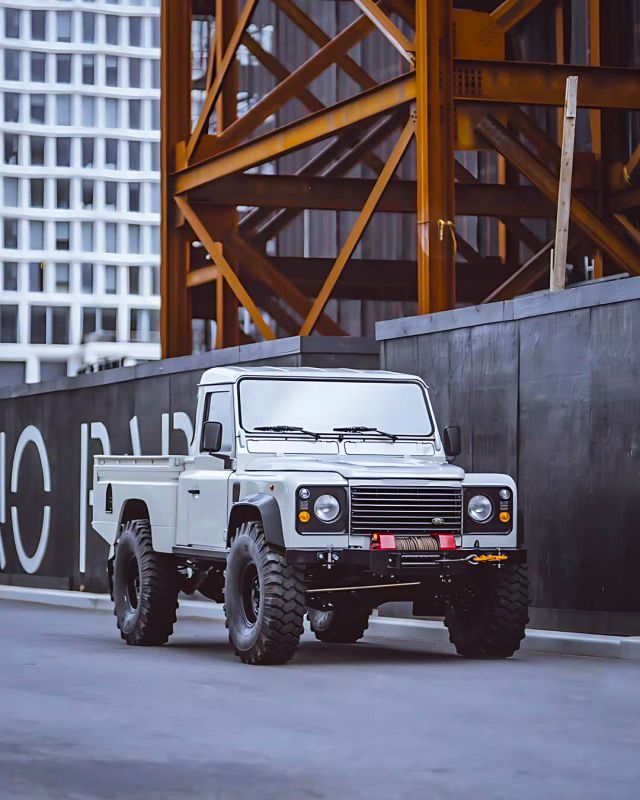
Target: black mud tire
<point x="145" y="586"/>
<point x="488" y="620"/>
<point x="264" y="599"/>
<point x="341" y="625"/>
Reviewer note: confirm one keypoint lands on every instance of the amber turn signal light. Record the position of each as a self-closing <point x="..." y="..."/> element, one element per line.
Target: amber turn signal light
<point x="304" y="516"/>
<point x="505" y="516"/>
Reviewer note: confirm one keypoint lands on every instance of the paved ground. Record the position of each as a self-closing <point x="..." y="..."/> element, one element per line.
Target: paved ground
<point x="84" y="716"/>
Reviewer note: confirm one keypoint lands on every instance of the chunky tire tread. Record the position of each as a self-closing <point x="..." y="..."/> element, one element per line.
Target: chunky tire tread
<point x="505" y="618"/>
<point x="156" y="613"/>
<point x="346" y="626"/>
<point x="282" y="590"/>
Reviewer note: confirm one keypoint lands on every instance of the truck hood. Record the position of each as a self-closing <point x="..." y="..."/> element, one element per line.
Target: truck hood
<point x="369" y="467"/>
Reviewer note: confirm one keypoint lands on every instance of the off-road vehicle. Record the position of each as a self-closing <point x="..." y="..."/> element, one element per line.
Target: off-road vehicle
<point x="318" y="492"/>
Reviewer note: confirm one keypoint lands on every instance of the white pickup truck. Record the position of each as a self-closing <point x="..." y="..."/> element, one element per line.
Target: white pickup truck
<point x="325" y="492"/>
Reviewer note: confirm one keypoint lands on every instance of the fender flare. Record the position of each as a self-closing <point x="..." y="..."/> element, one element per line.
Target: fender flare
<point x="263" y="507"/>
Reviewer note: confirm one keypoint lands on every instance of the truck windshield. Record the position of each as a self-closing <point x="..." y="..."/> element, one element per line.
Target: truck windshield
<point x="397" y="407"/>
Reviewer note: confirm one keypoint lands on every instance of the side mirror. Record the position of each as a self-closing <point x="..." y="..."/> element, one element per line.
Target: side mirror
<point x="451" y="441"/>
<point x="211" y="437"/>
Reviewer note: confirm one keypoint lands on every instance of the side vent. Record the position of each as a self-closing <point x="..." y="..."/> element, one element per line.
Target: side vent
<point x="235" y="492"/>
<point x="108" y="503"/>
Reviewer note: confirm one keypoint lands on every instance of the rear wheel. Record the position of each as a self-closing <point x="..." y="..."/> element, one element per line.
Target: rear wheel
<point x="264" y="599"/>
<point x="340" y="626"/>
<point x="488" y="619"/>
<point x="145" y="587"/>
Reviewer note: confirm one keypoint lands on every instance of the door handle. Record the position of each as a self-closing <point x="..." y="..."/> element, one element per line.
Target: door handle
<point x="194" y="492"/>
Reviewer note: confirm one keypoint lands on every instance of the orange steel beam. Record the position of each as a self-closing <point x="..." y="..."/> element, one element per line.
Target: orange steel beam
<point x="317" y="35"/>
<point x="309" y="129"/>
<point x="299" y="78"/>
<point x="388" y="29"/>
<point x="261" y="268"/>
<point x="175" y="319"/>
<point x="435" y="157"/>
<point x="581" y="215"/>
<point x="358" y="229"/>
<point x="510" y="12"/>
<point x="224" y="268"/>
<point x="222" y="68"/>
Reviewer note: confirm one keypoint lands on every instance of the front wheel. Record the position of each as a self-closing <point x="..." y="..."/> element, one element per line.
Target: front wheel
<point x="145" y="587"/>
<point x="488" y="619"/>
<point x="264" y="599"/>
<point x="340" y="626"/>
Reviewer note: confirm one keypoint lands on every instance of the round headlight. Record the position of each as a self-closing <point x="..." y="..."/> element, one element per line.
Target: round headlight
<point x="480" y="508"/>
<point x="326" y="508"/>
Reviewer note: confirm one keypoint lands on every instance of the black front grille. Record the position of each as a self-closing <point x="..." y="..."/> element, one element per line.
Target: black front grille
<point x="424" y="509"/>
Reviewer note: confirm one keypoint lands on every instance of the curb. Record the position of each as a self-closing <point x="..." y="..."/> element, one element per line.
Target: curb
<point x="414" y="631"/>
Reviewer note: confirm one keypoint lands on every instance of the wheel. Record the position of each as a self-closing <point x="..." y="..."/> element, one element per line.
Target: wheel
<point x="489" y="618"/>
<point x="264" y="599"/>
<point x="340" y="626"/>
<point x="145" y="587"/>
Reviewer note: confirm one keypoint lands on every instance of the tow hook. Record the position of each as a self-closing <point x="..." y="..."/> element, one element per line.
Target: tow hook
<point x="487" y="557"/>
<point x="329" y="557"/>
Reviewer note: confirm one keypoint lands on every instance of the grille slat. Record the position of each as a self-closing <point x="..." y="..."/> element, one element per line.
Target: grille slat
<point x="410" y="508"/>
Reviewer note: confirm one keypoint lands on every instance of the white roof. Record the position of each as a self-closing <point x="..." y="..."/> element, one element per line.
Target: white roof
<point x="233" y="374"/>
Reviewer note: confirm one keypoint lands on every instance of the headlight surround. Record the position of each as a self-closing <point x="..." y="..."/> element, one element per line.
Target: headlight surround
<point x="480" y="508"/>
<point x="327" y="508"/>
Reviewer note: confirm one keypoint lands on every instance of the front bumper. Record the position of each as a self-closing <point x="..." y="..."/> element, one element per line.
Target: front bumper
<point x="399" y="562"/>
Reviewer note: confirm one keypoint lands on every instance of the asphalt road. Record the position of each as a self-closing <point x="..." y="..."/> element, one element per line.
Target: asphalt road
<point x="84" y="716"/>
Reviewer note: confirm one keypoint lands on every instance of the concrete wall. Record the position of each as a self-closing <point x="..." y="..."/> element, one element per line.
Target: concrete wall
<point x="50" y="432"/>
<point x="547" y="388"/>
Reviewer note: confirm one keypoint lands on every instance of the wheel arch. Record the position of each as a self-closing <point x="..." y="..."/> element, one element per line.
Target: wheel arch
<point x="262" y="508"/>
<point x="133" y="508"/>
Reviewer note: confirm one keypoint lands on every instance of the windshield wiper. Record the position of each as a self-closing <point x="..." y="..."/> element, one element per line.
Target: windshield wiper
<point x="286" y="429"/>
<point x="363" y="429"/>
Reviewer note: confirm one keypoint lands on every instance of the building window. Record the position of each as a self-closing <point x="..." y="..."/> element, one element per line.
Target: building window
<point x="88" y="111"/>
<point x="111" y="237"/>
<point x="38" y="67"/>
<point x="63" y="193"/>
<point x="134" y="156"/>
<point x="135" y="32"/>
<point x="135" y="114"/>
<point x="37" y="108"/>
<point x="134" y="197"/>
<point x="63" y="152"/>
<point x="8" y="324"/>
<point x="12" y="23"/>
<point x="155" y="74"/>
<point x="155" y="198"/>
<point x="39" y="324"/>
<point x="134" y="238"/>
<point x="100" y="321"/>
<point x="11" y="191"/>
<point x="155" y="115"/>
<point x="155" y="157"/>
<point x="10" y="227"/>
<point x="134" y="280"/>
<point x="49" y="325"/>
<point x="36" y="276"/>
<point x="135" y="72"/>
<point x="87" y="194"/>
<point x="36" y="187"/>
<point x="86" y="278"/>
<point x="63" y="236"/>
<point x="39" y="25"/>
<point x="11" y="107"/>
<point x="111" y="113"/>
<point x="63" y="26"/>
<point x="63" y="68"/>
<point x="62" y="278"/>
<point x="12" y="65"/>
<point x="155" y="32"/>
<point x="10" y="276"/>
<point x="155" y="280"/>
<point x="111" y="153"/>
<point x="63" y="109"/>
<point x="11" y="148"/>
<point x="113" y="25"/>
<point x="111" y="279"/>
<point x="36" y="234"/>
<point x="36" y="151"/>
<point x="155" y="239"/>
<point x="111" y="70"/>
<point x="110" y="195"/>
<point x="88" y="27"/>
<point x="88" y="150"/>
<point x="87" y="236"/>
<point x="88" y="70"/>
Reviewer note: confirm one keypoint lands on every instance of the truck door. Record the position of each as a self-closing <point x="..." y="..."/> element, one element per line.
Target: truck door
<point x="203" y="486"/>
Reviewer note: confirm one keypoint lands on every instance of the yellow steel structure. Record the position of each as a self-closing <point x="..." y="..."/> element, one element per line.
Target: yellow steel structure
<point x="456" y="87"/>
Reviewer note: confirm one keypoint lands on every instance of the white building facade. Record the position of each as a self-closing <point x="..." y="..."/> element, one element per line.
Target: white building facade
<point x="79" y="185"/>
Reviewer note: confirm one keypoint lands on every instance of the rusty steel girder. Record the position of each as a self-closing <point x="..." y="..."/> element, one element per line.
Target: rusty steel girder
<point x="312" y="152"/>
